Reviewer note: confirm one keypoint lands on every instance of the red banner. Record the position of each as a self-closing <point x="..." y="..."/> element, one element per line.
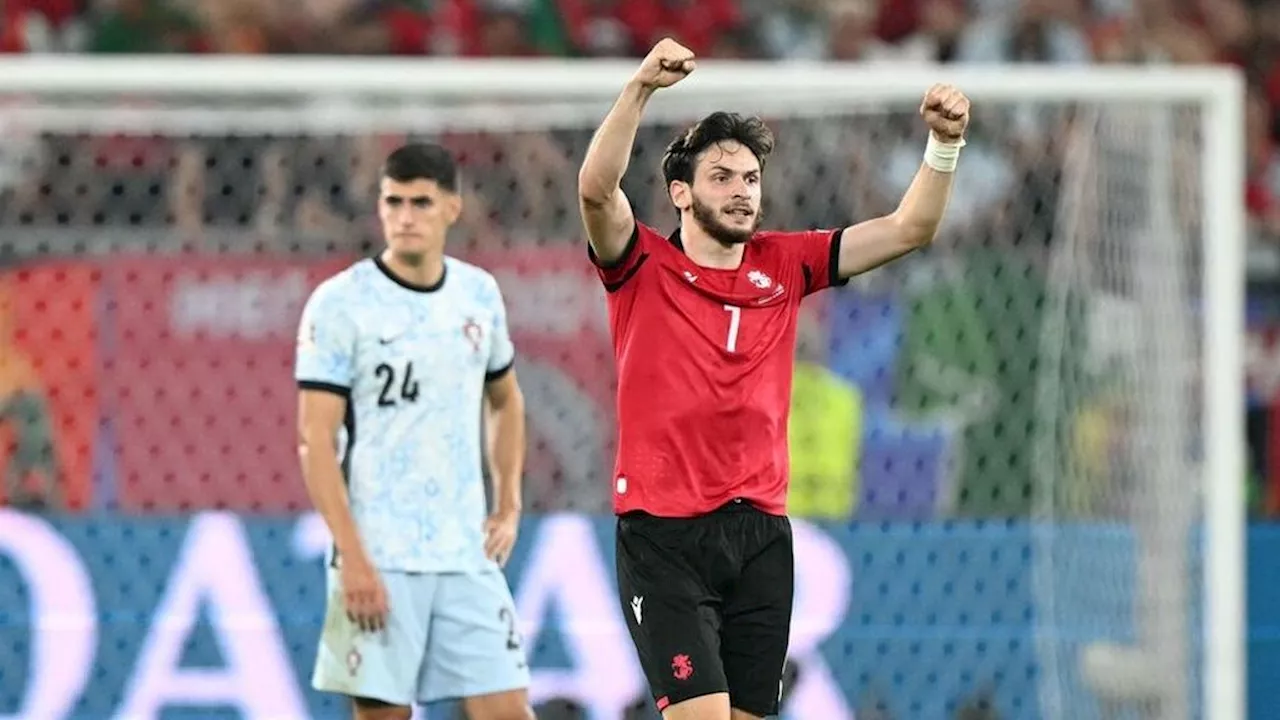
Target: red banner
<point x="200" y="403"/>
<point x="197" y="381"/>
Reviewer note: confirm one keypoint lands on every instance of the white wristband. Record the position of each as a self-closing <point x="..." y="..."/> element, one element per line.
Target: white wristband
<point x="942" y="156"/>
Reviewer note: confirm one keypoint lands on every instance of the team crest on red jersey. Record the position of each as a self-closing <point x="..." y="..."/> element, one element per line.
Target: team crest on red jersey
<point x="760" y="279"/>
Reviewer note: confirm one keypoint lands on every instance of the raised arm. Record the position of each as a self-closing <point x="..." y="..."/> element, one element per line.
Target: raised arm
<point x="606" y="212"/>
<point x="914" y="223"/>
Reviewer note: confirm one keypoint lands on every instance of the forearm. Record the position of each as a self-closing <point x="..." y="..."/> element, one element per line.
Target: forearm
<point x="911" y="226"/>
<point x="328" y="493"/>
<point x="924" y="204"/>
<point x="610" y="150"/>
<point x="506" y="452"/>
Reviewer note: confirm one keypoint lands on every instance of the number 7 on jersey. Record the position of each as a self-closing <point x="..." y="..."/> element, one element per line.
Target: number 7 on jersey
<point x="735" y="315"/>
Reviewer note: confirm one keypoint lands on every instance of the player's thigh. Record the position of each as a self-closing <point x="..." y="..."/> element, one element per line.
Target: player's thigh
<point x="475" y="647"/>
<point x="670" y="616"/>
<point x="367" y="709"/>
<point x="757" y="622"/>
<point x="510" y="705"/>
<point x="380" y="666"/>
<point x="704" y="707"/>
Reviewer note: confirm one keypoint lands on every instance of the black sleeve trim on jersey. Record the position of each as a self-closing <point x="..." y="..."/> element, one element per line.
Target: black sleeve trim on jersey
<point x="325" y="387"/>
<point x="622" y="259"/>
<point x="612" y="287"/>
<point x="500" y="372"/>
<point x="833" y="261"/>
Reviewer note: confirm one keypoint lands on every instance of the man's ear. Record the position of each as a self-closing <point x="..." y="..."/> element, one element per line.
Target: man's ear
<point x="681" y="194"/>
<point x="453" y="206"/>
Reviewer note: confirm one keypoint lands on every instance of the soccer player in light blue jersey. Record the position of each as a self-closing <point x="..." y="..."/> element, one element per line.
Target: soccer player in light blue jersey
<point x="400" y="358"/>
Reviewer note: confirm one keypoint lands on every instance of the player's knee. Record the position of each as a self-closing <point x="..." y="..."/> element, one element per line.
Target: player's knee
<point x="369" y="709"/>
<point x="499" y="706"/>
<point x="515" y="712"/>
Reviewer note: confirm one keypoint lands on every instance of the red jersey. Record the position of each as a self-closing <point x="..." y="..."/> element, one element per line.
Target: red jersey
<point x="704" y="359"/>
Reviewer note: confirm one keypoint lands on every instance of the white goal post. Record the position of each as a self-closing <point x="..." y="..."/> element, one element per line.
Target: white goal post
<point x="305" y="95"/>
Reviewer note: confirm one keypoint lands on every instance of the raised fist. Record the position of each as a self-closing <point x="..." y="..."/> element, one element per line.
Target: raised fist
<point x="667" y="63"/>
<point x="946" y="110"/>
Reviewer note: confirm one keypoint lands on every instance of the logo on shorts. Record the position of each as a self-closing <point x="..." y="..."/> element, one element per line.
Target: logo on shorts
<point x="682" y="667"/>
<point x="637" y="603"/>
<point x="353" y="662"/>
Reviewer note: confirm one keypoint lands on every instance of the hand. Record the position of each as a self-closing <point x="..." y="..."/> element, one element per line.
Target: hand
<point x="946" y="110"/>
<point x="500" y="531"/>
<point x="363" y="592"/>
<point x="667" y="63"/>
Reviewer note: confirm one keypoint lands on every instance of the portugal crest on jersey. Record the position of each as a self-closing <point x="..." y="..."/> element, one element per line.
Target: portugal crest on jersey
<point x="474" y="333"/>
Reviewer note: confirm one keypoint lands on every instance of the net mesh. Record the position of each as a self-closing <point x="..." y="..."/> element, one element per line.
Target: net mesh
<point x="994" y="437"/>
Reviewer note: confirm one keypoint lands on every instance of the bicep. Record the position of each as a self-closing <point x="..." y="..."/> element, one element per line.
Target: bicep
<point x="320" y="415"/>
<point x="502" y="391"/>
<point x="609" y="225"/>
<point x="870" y="244"/>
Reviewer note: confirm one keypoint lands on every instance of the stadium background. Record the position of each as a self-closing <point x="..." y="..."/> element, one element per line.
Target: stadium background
<point x="157" y="553"/>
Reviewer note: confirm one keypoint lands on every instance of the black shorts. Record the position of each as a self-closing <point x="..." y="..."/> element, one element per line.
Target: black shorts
<point x="708" y="603"/>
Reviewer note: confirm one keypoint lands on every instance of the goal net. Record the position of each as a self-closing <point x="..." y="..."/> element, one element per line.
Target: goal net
<point x="1016" y="455"/>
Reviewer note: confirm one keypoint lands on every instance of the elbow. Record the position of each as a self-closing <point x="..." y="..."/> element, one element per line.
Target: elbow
<point x="592" y="191"/>
<point x="309" y="444"/>
<point x="915" y="233"/>
<point x="304" y="449"/>
<point x="593" y="197"/>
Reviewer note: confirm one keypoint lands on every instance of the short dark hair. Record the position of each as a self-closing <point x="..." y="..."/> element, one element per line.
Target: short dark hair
<point x="751" y="132"/>
<point x="422" y="161"/>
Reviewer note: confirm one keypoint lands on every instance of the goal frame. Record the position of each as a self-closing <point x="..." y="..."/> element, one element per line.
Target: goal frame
<point x="1219" y="91"/>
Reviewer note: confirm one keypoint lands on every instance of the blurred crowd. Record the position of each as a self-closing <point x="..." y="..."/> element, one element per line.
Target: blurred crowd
<point x="281" y="190"/>
<point x="1241" y="32"/>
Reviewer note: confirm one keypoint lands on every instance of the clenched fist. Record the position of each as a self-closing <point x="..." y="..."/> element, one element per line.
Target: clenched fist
<point x="667" y="63"/>
<point x="946" y="110"/>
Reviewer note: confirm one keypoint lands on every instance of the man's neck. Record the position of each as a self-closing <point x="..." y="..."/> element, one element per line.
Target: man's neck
<point x="705" y="251"/>
<point x="426" y="273"/>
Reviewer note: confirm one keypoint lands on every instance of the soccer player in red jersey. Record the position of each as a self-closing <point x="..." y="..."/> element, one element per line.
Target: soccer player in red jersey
<point x="704" y="328"/>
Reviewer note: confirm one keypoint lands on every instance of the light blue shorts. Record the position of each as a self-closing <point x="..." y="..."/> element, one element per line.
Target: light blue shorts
<point x="448" y="636"/>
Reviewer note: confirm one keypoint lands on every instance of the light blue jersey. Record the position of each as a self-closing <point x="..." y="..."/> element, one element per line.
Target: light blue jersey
<point x="413" y="362"/>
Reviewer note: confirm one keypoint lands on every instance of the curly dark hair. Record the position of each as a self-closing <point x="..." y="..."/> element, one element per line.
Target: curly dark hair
<point x="682" y="153"/>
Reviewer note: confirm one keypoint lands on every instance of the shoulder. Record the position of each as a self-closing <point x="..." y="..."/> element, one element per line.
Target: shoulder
<point x="646" y="240"/>
<point x="775" y="246"/>
<point x="342" y="290"/>
<point x="784" y="244"/>
<point x="649" y="234"/>
<point x="784" y="240"/>
<point x="471" y="278"/>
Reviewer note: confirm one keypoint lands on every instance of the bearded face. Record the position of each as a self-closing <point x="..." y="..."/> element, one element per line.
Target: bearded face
<point x="724" y="196"/>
